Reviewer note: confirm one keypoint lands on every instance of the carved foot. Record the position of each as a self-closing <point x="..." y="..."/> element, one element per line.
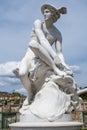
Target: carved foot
<point x="16" y="72"/>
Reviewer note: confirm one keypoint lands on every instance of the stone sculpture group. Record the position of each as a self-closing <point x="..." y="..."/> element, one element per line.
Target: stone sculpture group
<point x="52" y="91"/>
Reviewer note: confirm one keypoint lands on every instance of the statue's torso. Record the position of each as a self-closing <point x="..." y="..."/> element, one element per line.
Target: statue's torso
<point x="51" y="33"/>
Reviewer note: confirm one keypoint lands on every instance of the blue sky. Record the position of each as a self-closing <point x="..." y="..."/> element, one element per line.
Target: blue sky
<point x="16" y="21"/>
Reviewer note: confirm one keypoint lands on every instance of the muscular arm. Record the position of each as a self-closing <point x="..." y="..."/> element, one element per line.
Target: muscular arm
<point x="42" y="39"/>
<point x="58" y="46"/>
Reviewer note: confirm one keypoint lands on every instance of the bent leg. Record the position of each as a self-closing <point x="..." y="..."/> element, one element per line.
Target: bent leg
<point x="42" y="53"/>
<point x="25" y="63"/>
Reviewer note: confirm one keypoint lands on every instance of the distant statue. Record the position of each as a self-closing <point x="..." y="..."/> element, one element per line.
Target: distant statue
<point x="48" y="80"/>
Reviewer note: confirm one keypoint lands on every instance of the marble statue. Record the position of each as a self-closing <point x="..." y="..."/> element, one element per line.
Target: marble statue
<point x="48" y="80"/>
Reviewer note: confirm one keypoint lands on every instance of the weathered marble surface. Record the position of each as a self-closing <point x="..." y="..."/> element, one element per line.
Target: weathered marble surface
<point x="48" y="80"/>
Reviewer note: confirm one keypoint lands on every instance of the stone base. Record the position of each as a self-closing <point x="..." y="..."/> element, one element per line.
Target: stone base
<point x="33" y="118"/>
<point x="46" y="126"/>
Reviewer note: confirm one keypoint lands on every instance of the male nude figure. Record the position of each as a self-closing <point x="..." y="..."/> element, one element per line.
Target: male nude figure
<point x="43" y="36"/>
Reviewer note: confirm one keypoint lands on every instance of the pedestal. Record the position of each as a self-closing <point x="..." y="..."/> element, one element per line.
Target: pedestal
<point x="46" y="126"/>
<point x="28" y="122"/>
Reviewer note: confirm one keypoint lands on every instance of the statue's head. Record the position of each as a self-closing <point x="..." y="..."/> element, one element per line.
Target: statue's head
<point x="49" y="11"/>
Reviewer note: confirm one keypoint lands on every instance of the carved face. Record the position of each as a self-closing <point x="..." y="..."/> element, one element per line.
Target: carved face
<point x="47" y="14"/>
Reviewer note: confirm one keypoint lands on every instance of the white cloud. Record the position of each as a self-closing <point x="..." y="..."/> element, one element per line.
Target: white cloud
<point x="8" y="80"/>
<point x="6" y="68"/>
